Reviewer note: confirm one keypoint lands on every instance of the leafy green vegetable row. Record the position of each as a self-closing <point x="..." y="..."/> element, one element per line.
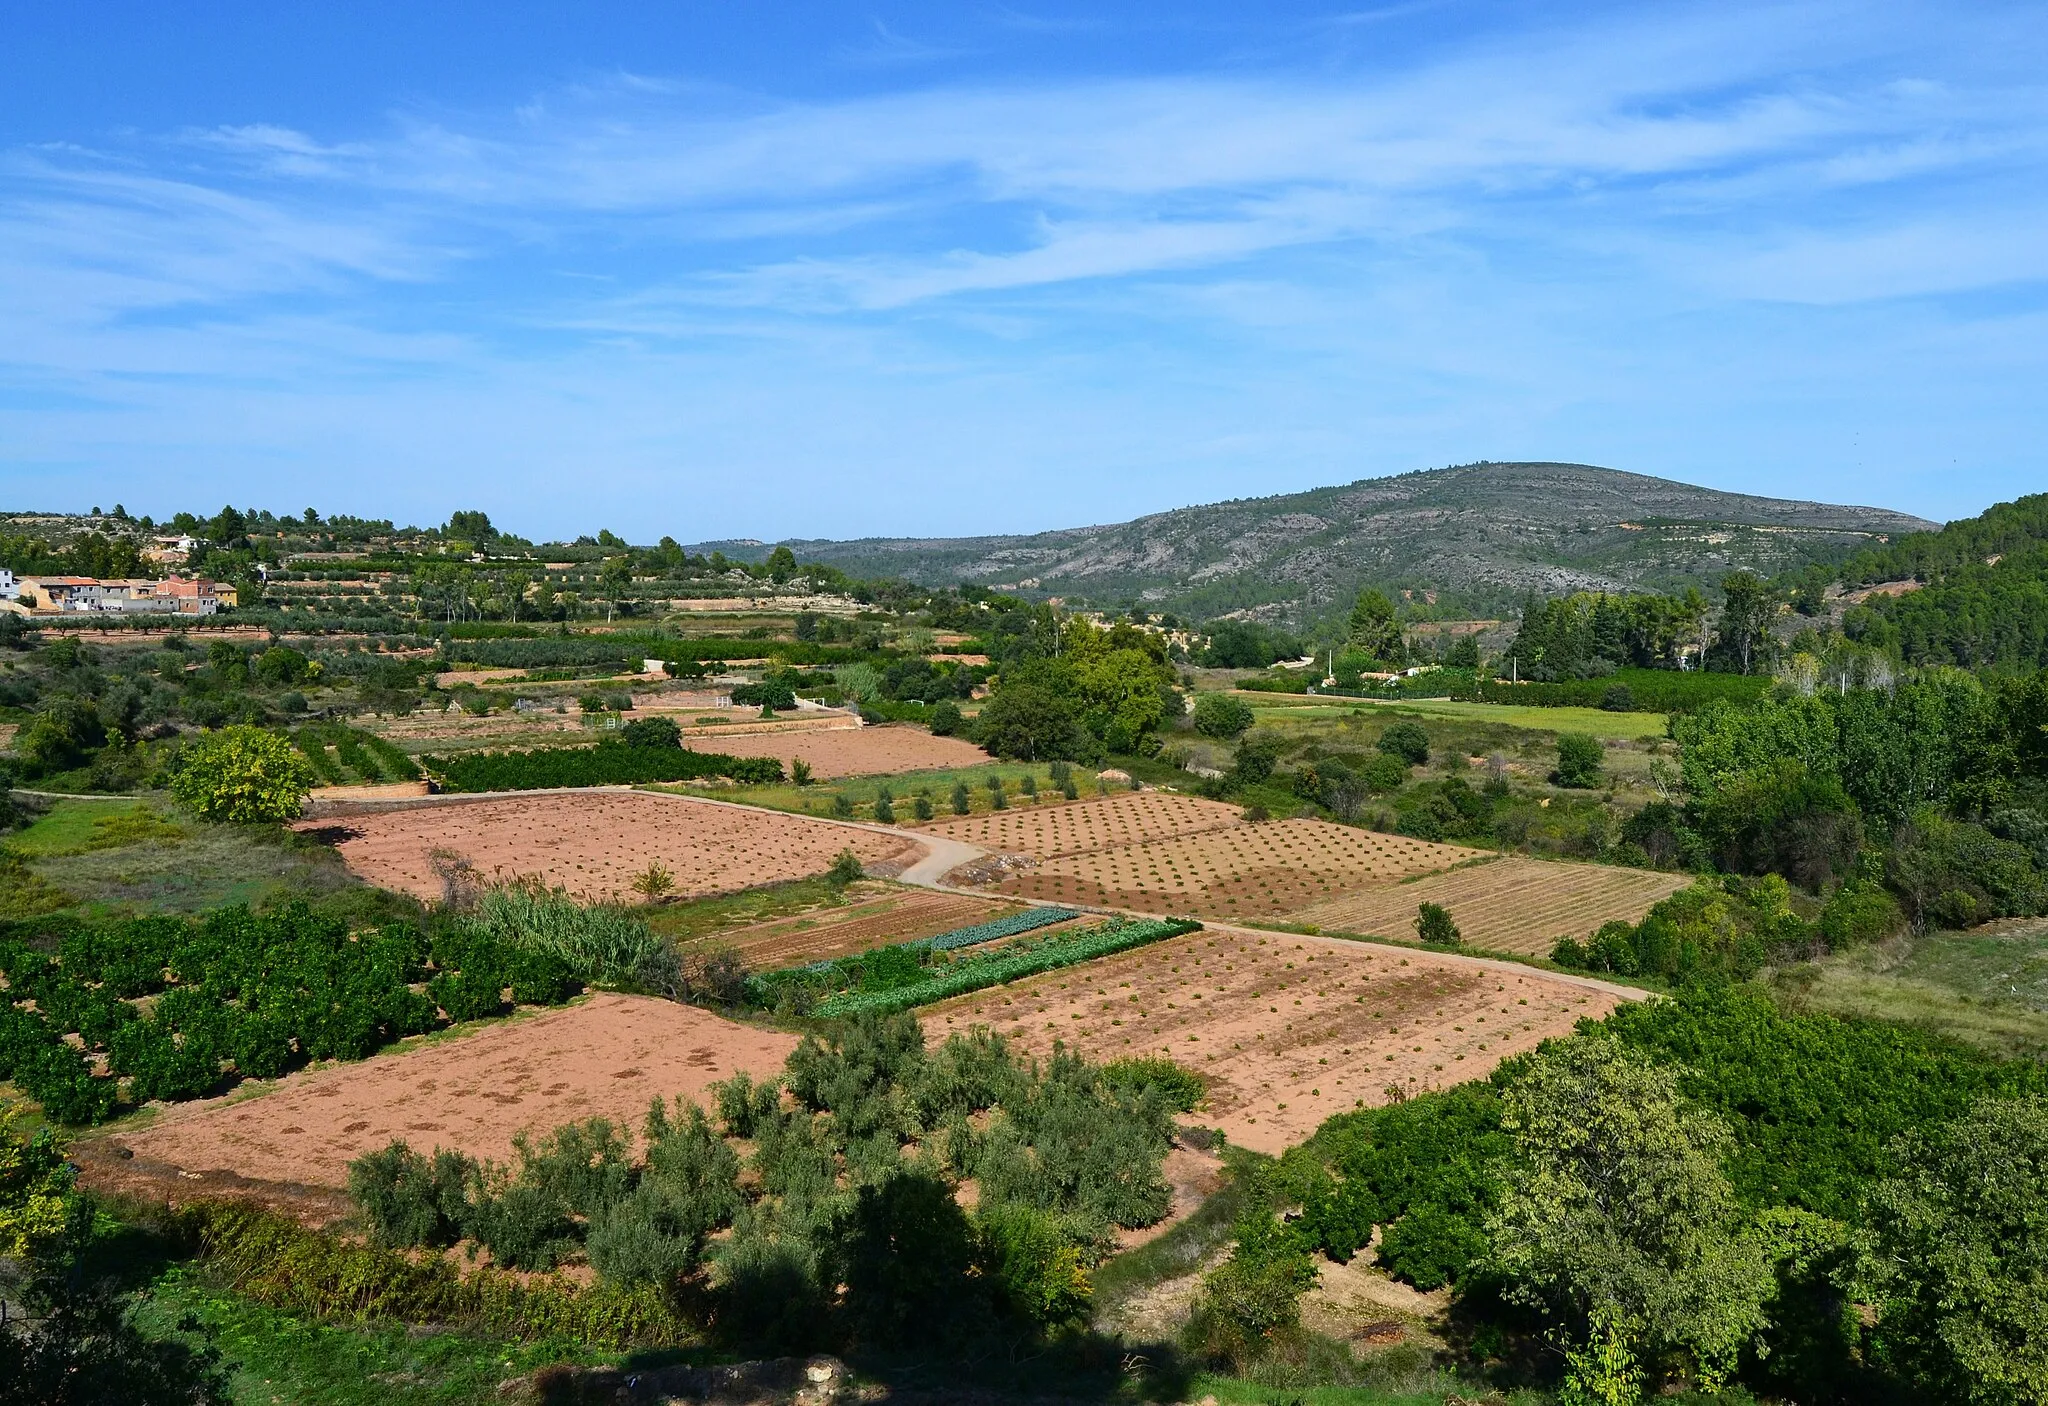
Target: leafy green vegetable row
<point x="1118" y="935"/>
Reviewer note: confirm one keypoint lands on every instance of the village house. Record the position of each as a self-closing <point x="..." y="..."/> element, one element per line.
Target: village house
<point x="62" y="595"/>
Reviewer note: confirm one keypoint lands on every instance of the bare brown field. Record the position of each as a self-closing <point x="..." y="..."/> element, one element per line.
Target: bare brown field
<point x="593" y="843"/>
<point x="1509" y="905"/>
<point x="815" y="937"/>
<point x="605" y="1057"/>
<point x="1128" y="817"/>
<point x="1263" y="870"/>
<point x="1288" y="1030"/>
<point x="864" y="751"/>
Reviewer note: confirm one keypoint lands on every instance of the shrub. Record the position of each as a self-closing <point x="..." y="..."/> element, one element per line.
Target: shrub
<point x="1618" y="698"/>
<point x="946" y="720"/>
<point x="962" y="803"/>
<point x="410" y="1200"/>
<point x="885" y="807"/>
<point x="1433" y="924"/>
<point x="1182" y="1088"/>
<point x="1221" y="715"/>
<point x="1037" y="1265"/>
<point x="921" y="806"/>
<point x="1579" y="758"/>
<point x="799" y="771"/>
<point x="651" y="732"/>
<point x="242" y="775"/>
<point x="846" y="868"/>
<point x="1406" y="740"/>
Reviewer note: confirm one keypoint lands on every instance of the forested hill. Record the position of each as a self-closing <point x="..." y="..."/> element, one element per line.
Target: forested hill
<point x="1982" y="594"/>
<point x="1485" y="535"/>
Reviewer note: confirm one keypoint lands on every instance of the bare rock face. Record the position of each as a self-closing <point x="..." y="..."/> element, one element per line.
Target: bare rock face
<point x="1489" y="534"/>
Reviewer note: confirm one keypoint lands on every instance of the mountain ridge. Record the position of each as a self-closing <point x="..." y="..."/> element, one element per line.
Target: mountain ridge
<point x="1484" y="534"/>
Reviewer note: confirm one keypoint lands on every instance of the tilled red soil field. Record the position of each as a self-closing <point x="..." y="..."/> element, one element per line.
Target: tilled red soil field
<point x="605" y="1057"/>
<point x="1243" y="871"/>
<point x="865" y="751"/>
<point x="1508" y="905"/>
<point x="593" y="843"/>
<point x="1075" y="827"/>
<point x="1288" y="1030"/>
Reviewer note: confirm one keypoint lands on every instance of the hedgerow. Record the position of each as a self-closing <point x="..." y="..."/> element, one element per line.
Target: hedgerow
<point x="606" y="764"/>
<point x="279" y="1263"/>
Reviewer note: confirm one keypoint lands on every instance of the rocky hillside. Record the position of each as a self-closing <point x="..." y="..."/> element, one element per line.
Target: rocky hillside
<point x="1479" y="537"/>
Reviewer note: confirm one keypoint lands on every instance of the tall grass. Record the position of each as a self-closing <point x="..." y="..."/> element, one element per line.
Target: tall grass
<point x="602" y="943"/>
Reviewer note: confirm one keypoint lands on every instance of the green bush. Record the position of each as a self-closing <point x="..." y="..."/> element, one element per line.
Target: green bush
<point x="242" y="775"/>
<point x="1220" y="715"/>
<point x="1182" y="1088"/>
<point x="1407" y="741"/>
<point x="1041" y="1271"/>
<point x="409" y="1200"/>
<point x="1579" y="759"/>
<point x="1433" y="924"/>
<point x="651" y="732"/>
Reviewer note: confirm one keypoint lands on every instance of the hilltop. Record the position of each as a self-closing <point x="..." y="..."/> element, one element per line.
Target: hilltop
<point x="1481" y="535"/>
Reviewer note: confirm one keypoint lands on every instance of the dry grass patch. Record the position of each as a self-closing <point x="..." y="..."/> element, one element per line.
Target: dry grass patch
<point x="1288" y="1030"/>
<point x="1509" y="905"/>
<point x="594" y="843"/>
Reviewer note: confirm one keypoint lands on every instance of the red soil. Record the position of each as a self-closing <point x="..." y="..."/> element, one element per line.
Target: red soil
<point x="607" y="1057"/>
<point x="592" y="843"/>
<point x="1288" y="1030"/>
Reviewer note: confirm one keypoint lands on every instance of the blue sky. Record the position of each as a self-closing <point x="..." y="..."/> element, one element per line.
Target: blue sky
<point x="816" y="270"/>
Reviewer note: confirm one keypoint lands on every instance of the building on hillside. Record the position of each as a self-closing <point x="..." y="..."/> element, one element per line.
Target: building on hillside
<point x="9" y="587"/>
<point x="170" y="551"/>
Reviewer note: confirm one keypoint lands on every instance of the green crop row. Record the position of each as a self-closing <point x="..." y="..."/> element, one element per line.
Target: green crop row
<point x="1118" y="935"/>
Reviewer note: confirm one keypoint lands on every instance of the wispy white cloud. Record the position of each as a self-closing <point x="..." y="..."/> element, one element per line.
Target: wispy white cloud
<point x="1470" y="243"/>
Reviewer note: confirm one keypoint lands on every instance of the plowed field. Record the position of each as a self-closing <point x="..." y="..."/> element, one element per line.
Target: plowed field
<point x="608" y="1056"/>
<point x="593" y="843"/>
<point x="1247" y="870"/>
<point x="1509" y="905"/>
<point x="1128" y="817"/>
<point x="841" y="932"/>
<point x="1288" y="1030"/>
<point x="865" y="751"/>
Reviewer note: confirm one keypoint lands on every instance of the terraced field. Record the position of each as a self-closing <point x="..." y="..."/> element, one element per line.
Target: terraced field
<point x="1507" y="905"/>
<point x="1075" y="827"/>
<point x="1287" y="1030"/>
<point x="1262" y="870"/>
